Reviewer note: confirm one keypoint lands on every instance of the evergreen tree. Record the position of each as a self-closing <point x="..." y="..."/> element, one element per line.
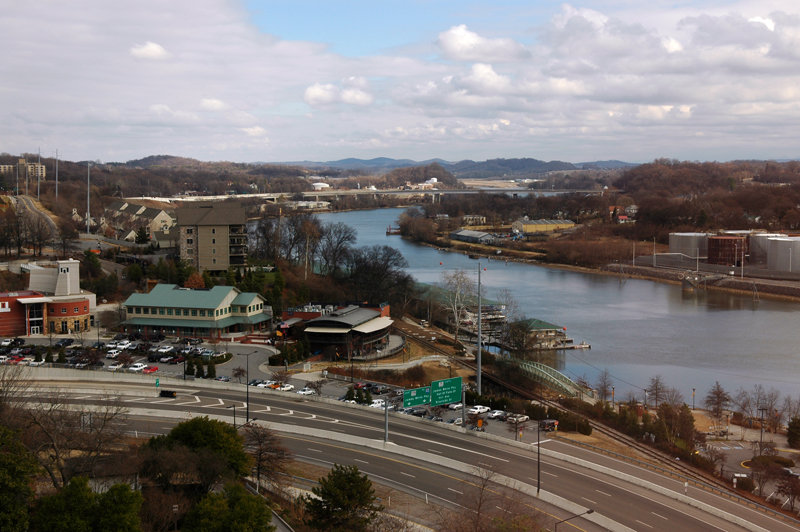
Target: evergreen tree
<point x="199" y="373"/>
<point x="212" y="370"/>
<point x="344" y="500"/>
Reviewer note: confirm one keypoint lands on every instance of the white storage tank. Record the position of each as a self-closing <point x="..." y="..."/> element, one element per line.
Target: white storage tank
<point x="783" y="254"/>
<point x="759" y="246"/>
<point x="690" y="244"/>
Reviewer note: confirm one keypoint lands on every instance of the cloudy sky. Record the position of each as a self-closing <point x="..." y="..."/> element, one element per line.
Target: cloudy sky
<point x="289" y="80"/>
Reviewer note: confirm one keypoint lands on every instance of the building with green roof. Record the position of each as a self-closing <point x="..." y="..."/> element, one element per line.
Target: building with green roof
<point x="209" y="313"/>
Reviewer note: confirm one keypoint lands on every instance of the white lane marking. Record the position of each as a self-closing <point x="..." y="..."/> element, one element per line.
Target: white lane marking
<point x="217" y="405"/>
<point x="407" y="474"/>
<point x="315" y="450"/>
<point x="82" y="397"/>
<point x="643" y="523"/>
<point x="288" y="413"/>
<point x="196" y="400"/>
<point x="135" y="399"/>
<point x="549" y="474"/>
<point x="434" y="451"/>
<point x="603" y="493"/>
<point x="161" y="401"/>
<point x="661" y="516"/>
<point x="589" y="500"/>
<point x="456" y="491"/>
<point x="362" y="461"/>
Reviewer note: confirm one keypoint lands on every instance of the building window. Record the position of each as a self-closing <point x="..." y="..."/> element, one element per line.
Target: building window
<point x="86" y="308"/>
<point x="63" y="310"/>
<point x="190" y="241"/>
<point x="186" y="312"/>
<point x="52" y="326"/>
<point x="189" y="230"/>
<point x="202" y="312"/>
<point x="213" y="251"/>
<point x="213" y="261"/>
<point x="169" y="312"/>
<point x="161" y="311"/>
<point x="213" y="240"/>
<point x="75" y="310"/>
<point x="52" y="309"/>
<point x="194" y="312"/>
<point x="190" y="251"/>
<point x="145" y="310"/>
<point x="213" y="231"/>
<point x="85" y="325"/>
<point x="77" y="325"/>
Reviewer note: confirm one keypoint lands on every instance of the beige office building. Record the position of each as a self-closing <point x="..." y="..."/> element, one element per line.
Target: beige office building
<point x="213" y="236"/>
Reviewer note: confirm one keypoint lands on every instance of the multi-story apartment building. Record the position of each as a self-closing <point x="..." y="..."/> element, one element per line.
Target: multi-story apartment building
<point x="213" y="236"/>
<point x="25" y="169"/>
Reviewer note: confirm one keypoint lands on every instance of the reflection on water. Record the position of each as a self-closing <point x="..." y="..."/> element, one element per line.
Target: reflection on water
<point x="637" y="329"/>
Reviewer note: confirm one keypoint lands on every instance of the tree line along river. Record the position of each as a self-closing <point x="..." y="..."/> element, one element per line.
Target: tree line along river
<point x="637" y="329"/>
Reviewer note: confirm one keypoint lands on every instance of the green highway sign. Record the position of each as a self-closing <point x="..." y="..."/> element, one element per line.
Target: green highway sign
<point x="446" y="391"/>
<point x="416" y="397"/>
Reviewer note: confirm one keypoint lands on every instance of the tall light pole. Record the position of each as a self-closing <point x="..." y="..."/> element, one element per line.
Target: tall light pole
<point x="538" y="458"/>
<point x="692" y="398"/>
<point x="480" y="348"/>
<point x="589" y="511"/>
<point x="247" y="390"/>
<point x="88" y="190"/>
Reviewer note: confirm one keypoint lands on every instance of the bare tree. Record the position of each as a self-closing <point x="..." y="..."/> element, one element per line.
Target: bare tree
<point x="38" y="230"/>
<point x="335" y="244"/>
<point x="656" y="390"/>
<point x="604" y="384"/>
<point x="238" y="373"/>
<point x="717" y="458"/>
<point x="316" y="386"/>
<point x="270" y="458"/>
<point x="673" y="397"/>
<point x="460" y="292"/>
<point x="69" y="442"/>
<point x="717" y="400"/>
<point x="789" y="487"/>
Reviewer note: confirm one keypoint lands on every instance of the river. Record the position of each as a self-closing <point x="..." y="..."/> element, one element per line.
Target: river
<point x="637" y="329"/>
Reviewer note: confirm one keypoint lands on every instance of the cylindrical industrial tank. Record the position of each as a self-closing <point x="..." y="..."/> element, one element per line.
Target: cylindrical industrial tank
<point x="759" y="245"/>
<point x="783" y="254"/>
<point x="689" y="244"/>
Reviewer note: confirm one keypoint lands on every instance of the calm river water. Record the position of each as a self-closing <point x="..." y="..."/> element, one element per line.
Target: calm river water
<point x="637" y="329"/>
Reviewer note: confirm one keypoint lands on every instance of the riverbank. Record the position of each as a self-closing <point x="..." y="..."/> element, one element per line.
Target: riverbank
<point x="758" y="288"/>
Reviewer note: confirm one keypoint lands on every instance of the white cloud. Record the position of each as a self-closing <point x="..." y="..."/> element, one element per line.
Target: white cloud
<point x="353" y="92"/>
<point x="148" y="50"/>
<point x="321" y="94"/>
<point x="461" y="44"/>
<point x="255" y="131"/>
<point x="212" y="104"/>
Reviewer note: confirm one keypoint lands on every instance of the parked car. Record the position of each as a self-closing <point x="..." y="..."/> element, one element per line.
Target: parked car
<point x="517" y="418"/>
<point x="497" y="414"/>
<point x="454" y="421"/>
<point x="478" y="409"/>
<point x="266" y="384"/>
<point x="177" y="360"/>
<point x="150" y="369"/>
<point x="255" y="382"/>
<point x="139" y="366"/>
<point x="378" y="403"/>
<point x="16" y="342"/>
<point x="166" y="359"/>
<point x="379" y="389"/>
<point x="115" y="366"/>
<point x="166" y="349"/>
<point x="286" y="387"/>
<point x="5" y="342"/>
<point x="113" y="353"/>
<point x="123" y="344"/>
<point x="306" y="391"/>
<point x="98" y="345"/>
<point x="222" y="378"/>
<point x="455" y="406"/>
<point x="64" y="342"/>
<point x="418" y="411"/>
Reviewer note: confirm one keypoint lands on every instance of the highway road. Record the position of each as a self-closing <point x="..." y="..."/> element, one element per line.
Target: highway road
<point x="433" y="459"/>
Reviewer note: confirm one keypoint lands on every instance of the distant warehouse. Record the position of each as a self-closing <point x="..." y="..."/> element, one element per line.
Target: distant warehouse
<point x="473" y="237"/>
<point x="526" y="227"/>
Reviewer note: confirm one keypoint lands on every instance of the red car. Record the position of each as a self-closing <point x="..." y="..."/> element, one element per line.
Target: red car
<point x="150" y="369"/>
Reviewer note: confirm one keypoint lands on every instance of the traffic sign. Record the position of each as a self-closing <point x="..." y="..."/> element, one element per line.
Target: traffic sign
<point x="416" y="396"/>
<point x="446" y="391"/>
<point x="156" y="382"/>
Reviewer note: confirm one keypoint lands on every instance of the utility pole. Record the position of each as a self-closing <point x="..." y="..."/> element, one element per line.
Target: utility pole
<point x="480" y="348"/>
<point x="88" y="189"/>
<point x="56" y="175"/>
<point x="39" y="174"/>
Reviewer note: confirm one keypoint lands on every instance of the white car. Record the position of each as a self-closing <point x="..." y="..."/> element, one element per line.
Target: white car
<point x="378" y="403"/>
<point x="455" y="406"/>
<point x="113" y="353"/>
<point x="497" y="414"/>
<point x="6" y="342"/>
<point x="306" y="391"/>
<point x="266" y="384"/>
<point x="286" y="387"/>
<point x="166" y="349"/>
<point x="124" y="344"/>
<point x="36" y="363"/>
<point x="115" y="366"/>
<point x="139" y="366"/>
<point x="478" y="409"/>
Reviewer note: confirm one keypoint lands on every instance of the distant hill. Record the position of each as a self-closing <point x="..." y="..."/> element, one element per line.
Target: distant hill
<point x="522" y="167"/>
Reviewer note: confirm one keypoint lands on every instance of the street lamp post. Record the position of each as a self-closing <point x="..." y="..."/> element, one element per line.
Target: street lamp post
<point x="538" y="458"/>
<point x="589" y="511"/>
<point x="234" y="415"/>
<point x="692" y="398"/>
<point x="247" y="389"/>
